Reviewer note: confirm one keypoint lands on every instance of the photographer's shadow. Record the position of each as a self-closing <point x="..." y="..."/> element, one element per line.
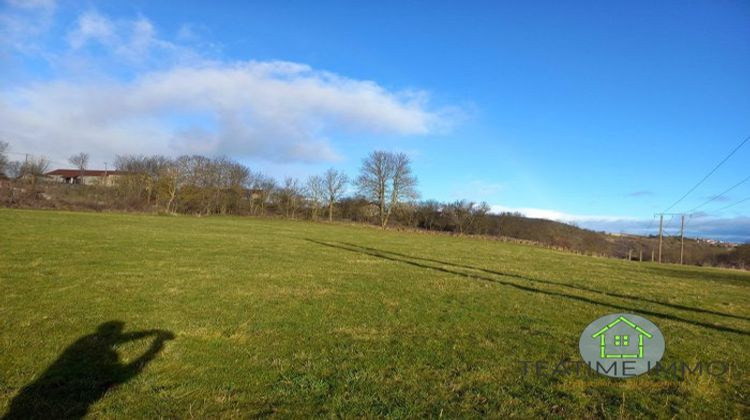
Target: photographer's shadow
<point x="84" y="372"/>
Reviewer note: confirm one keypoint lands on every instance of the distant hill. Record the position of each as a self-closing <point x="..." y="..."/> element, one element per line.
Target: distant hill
<point x="557" y="234"/>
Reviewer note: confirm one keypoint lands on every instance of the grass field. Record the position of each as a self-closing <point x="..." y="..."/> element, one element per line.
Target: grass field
<point x="271" y="317"/>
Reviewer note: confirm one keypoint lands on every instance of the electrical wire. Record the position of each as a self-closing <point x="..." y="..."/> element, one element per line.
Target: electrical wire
<point x="665" y="227"/>
<point x="711" y="172"/>
<point x="35" y="155"/>
<point x="719" y="195"/>
<point x="650" y="224"/>
<point x="732" y="205"/>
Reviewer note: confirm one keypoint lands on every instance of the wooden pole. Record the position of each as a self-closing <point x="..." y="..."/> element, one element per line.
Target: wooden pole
<point x="640" y="255"/>
<point x="661" y="224"/>
<point x="682" y="237"/>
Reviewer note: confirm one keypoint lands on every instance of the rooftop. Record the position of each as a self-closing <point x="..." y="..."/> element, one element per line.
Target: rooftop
<point x="87" y="172"/>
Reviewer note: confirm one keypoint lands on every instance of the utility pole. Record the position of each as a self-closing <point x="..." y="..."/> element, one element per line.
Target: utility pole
<point x="661" y="225"/>
<point x="661" y="233"/>
<point x="682" y="236"/>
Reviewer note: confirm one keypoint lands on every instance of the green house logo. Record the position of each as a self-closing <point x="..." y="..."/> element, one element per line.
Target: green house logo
<point x="621" y="345"/>
<point x="615" y="346"/>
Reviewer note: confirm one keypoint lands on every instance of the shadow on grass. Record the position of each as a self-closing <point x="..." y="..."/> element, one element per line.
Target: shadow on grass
<point x="83" y="373"/>
<point x="725" y="276"/>
<point x="569" y="286"/>
<point x="384" y="255"/>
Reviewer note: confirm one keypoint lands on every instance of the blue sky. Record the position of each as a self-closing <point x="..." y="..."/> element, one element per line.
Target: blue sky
<point x="598" y="113"/>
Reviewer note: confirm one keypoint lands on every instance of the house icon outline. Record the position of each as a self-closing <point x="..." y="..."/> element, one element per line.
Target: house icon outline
<point x="619" y="340"/>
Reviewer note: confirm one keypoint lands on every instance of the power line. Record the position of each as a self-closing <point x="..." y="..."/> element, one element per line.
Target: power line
<point x="720" y="195"/>
<point x="669" y="222"/>
<point x="36" y="155"/>
<point x="732" y="205"/>
<point x="651" y="223"/>
<point x="709" y="174"/>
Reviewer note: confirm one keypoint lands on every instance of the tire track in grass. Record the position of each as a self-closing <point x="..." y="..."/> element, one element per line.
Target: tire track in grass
<point x="554" y="283"/>
<point x="385" y="255"/>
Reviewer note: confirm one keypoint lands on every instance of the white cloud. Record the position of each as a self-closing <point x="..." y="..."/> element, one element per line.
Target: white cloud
<point x="169" y="99"/>
<point x="558" y="215"/>
<point x="274" y="110"/>
<point x="129" y="42"/>
<point x="191" y="32"/>
<point x="92" y="27"/>
<point x="735" y="229"/>
<point x="23" y="20"/>
<point x="33" y="4"/>
<point x="478" y="189"/>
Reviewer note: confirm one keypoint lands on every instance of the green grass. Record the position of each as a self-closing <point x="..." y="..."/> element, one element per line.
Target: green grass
<point x="293" y="318"/>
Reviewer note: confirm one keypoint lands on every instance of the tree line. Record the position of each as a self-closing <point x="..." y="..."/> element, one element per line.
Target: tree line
<point x="383" y="192"/>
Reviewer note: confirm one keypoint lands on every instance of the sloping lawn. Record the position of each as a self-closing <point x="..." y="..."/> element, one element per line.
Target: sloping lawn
<point x="123" y="316"/>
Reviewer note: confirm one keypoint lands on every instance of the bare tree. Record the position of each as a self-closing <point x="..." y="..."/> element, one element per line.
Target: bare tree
<point x="289" y="196"/>
<point x="460" y="213"/>
<point x="14" y="169"/>
<point x="373" y="180"/>
<point x="193" y="184"/>
<point x="228" y="179"/>
<point x="386" y="178"/>
<point x="33" y="169"/>
<point x="237" y="176"/>
<point x="3" y="157"/>
<point x="334" y="183"/>
<point x="171" y="177"/>
<point x="201" y="178"/>
<point x="406" y="214"/>
<point x="142" y="177"/>
<point x="467" y="215"/>
<point x="480" y="218"/>
<point x="263" y="188"/>
<point x="403" y="183"/>
<point x="315" y="193"/>
<point x="80" y="161"/>
<point x="428" y="213"/>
